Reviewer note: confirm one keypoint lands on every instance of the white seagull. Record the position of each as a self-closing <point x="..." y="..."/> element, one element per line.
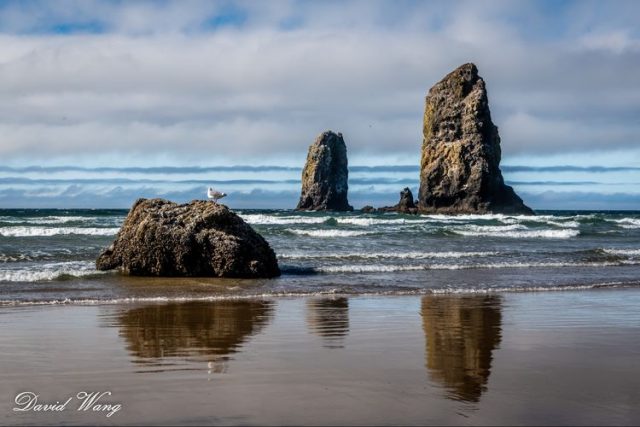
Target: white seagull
<point x="215" y="195"/>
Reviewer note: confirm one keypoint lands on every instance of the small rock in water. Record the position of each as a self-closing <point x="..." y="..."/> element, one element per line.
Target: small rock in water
<point x="405" y="205"/>
<point x="162" y="238"/>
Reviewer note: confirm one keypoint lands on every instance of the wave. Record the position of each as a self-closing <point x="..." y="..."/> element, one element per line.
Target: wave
<point x="331" y="292"/>
<point x="328" y="233"/>
<point x="398" y="267"/>
<point x="515" y="231"/>
<point x="262" y="219"/>
<point x="52" y="271"/>
<point x="22" y="231"/>
<point x="387" y="255"/>
<point x="379" y="221"/>
<point x="628" y="223"/>
<point x="628" y="252"/>
<point x="4" y="258"/>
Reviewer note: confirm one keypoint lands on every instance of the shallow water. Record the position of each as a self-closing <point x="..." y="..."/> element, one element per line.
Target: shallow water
<point x="560" y="358"/>
<point x="47" y="256"/>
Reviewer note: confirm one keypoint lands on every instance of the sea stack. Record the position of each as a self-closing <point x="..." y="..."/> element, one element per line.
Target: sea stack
<point x="325" y="175"/>
<point x="197" y="239"/>
<point x="460" y="162"/>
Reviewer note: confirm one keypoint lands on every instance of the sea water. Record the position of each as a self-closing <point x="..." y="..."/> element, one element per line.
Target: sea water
<point x="48" y="256"/>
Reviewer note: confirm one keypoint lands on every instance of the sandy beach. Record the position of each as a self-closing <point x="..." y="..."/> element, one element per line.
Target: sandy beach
<point x="567" y="358"/>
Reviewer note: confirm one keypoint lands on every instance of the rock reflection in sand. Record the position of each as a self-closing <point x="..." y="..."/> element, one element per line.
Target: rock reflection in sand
<point x="329" y="318"/>
<point x="213" y="329"/>
<point x="461" y="334"/>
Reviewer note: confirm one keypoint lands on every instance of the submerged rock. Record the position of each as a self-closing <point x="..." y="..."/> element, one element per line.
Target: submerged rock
<point x="162" y="238"/>
<point x="325" y="175"/>
<point x="459" y="169"/>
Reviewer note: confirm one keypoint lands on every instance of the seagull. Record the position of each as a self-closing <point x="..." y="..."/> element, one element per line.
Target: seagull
<point x="215" y="195"/>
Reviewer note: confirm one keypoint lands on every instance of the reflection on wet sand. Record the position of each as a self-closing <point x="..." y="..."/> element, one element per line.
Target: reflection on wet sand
<point x="215" y="329"/>
<point x="461" y="334"/>
<point x="329" y="318"/>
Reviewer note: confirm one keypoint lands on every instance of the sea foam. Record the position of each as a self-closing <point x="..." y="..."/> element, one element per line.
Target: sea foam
<point x="50" y="271"/>
<point x="329" y="233"/>
<point x="363" y="268"/>
<point x="386" y="255"/>
<point x="23" y="231"/>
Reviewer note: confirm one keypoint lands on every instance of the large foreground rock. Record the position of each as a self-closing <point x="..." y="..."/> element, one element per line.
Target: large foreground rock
<point x="325" y="175"/>
<point x="459" y="169"/>
<point x="162" y="238"/>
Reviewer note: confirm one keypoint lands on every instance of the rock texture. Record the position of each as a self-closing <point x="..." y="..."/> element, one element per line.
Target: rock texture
<point x="405" y="205"/>
<point x="162" y="238"/>
<point x="459" y="170"/>
<point x="325" y="175"/>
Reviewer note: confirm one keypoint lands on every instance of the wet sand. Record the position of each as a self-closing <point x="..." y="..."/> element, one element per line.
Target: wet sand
<point x="515" y="358"/>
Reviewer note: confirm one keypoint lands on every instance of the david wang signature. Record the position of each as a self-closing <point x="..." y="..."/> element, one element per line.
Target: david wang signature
<point x="88" y="401"/>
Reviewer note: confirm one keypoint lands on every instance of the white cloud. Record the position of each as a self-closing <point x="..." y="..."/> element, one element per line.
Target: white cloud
<point x="156" y="85"/>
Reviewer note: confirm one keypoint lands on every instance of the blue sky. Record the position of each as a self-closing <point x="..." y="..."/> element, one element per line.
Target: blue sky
<point x="176" y="89"/>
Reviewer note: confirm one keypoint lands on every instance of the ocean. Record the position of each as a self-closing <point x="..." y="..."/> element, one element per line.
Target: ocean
<point x="47" y="256"/>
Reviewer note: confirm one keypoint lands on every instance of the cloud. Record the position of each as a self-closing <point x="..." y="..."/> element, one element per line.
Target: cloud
<point x="567" y="168"/>
<point x="582" y="200"/>
<point x="220" y="82"/>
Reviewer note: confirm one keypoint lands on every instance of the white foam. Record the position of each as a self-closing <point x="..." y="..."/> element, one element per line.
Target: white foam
<point x="378" y="221"/>
<point x="329" y="233"/>
<point x="393" y="268"/>
<point x="307" y="294"/>
<point x="51" y="271"/>
<point x="387" y="255"/>
<point x="628" y="223"/>
<point x="515" y="231"/>
<point x="261" y="219"/>
<point x="628" y="252"/>
<point x="14" y="258"/>
<point x="23" y="231"/>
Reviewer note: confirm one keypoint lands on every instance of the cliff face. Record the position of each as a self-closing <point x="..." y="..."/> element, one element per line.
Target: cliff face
<point x="325" y="175"/>
<point x="459" y="168"/>
<point x="162" y="238"/>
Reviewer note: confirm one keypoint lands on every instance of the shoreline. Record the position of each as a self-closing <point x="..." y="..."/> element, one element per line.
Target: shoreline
<point x="524" y="358"/>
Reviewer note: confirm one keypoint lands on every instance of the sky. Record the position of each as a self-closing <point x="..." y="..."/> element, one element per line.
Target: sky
<point x="102" y="102"/>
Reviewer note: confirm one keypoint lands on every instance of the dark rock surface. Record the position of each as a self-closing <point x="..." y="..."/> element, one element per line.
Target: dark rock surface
<point x="405" y="205"/>
<point x="162" y="238"/>
<point x="325" y="175"/>
<point x="459" y="169"/>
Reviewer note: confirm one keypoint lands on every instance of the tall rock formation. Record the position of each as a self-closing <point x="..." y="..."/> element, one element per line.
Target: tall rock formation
<point x="460" y="163"/>
<point x="325" y="175"/>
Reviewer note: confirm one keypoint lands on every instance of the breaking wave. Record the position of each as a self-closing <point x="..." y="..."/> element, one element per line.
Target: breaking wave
<point x="262" y="219"/>
<point x="364" y="268"/>
<point x="22" y="231"/>
<point x="328" y="233"/>
<point x="514" y="231"/>
<point x="386" y="255"/>
<point x="48" y="272"/>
